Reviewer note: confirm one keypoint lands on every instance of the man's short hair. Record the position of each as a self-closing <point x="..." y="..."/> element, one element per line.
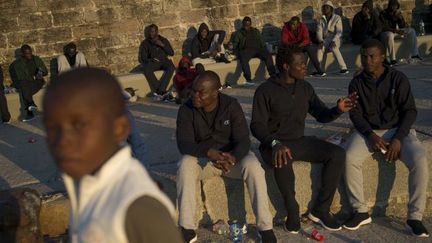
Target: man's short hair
<point x="373" y="43"/>
<point x="247" y="19"/>
<point x="286" y="55"/>
<point x="294" y="19"/>
<point x="25" y="47"/>
<point x="69" y="47"/>
<point x="153" y="26"/>
<point x="212" y="77"/>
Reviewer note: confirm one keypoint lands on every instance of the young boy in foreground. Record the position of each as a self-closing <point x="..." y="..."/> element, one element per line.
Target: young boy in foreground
<point x="112" y="197"/>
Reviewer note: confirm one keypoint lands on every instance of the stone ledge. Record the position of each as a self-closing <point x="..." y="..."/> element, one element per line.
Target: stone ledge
<point x="232" y="72"/>
<point x="224" y="198"/>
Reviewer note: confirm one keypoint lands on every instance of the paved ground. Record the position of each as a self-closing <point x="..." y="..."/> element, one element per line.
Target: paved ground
<point x="23" y="163"/>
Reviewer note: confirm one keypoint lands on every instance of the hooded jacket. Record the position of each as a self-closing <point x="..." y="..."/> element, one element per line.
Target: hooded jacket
<point x="384" y="103"/>
<point x="363" y="27"/>
<point x="280" y="109"/>
<point x="20" y="72"/>
<point x="184" y="78"/>
<point x="329" y="28"/>
<point x="302" y="38"/>
<point x="200" y="45"/>
<point x="229" y="132"/>
<point x="239" y="40"/>
<point x="390" y="20"/>
<point x="149" y="51"/>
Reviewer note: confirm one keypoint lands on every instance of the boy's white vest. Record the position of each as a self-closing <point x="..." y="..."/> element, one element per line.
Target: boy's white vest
<point x="98" y="214"/>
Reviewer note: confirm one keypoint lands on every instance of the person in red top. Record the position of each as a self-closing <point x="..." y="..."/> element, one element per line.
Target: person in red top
<point x="296" y="34"/>
<point x="184" y="78"/>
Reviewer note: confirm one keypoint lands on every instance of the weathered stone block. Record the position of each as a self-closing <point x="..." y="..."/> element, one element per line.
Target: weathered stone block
<point x="56" y="35"/>
<point x="230" y="11"/>
<point x="16" y="39"/>
<point x="169" y="19"/>
<point x="35" y="21"/>
<point x="266" y="7"/>
<point x="19" y="216"/>
<point x="54" y="215"/>
<point x="193" y="16"/>
<point x="69" y="18"/>
<point x="8" y="24"/>
<point x="108" y="15"/>
<point x="246" y="9"/>
<point x="3" y="41"/>
<point x="212" y="3"/>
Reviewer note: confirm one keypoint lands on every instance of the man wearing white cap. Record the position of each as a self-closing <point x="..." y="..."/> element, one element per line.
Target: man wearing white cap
<point x="329" y="33"/>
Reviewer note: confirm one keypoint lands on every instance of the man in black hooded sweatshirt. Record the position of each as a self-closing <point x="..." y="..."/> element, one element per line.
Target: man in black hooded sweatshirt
<point x="366" y="24"/>
<point x="279" y="111"/>
<point x="207" y="46"/>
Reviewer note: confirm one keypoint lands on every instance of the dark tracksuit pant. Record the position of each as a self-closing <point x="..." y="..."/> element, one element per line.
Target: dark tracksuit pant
<point x="313" y="150"/>
<point x="313" y="57"/>
<point x="28" y="89"/>
<point x="247" y="54"/>
<point x="4" y="111"/>
<point x="159" y="87"/>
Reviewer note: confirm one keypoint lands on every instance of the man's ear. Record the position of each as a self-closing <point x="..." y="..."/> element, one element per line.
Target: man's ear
<point x="121" y="128"/>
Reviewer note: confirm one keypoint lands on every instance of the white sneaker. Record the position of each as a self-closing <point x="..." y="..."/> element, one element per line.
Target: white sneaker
<point x="249" y="83"/>
<point x="32" y="108"/>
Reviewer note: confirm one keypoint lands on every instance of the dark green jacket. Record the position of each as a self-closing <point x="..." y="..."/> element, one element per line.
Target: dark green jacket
<point x="240" y="39"/>
<point x="19" y="71"/>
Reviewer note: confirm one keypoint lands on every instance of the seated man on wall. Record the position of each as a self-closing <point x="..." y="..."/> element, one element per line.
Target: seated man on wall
<point x="279" y="110"/>
<point x="184" y="78"/>
<point x="394" y="23"/>
<point x="153" y="56"/>
<point x="296" y="34"/>
<point x="248" y="44"/>
<point x="71" y="59"/>
<point x="207" y="46"/>
<point x="329" y="34"/>
<point x="383" y="120"/>
<point x="365" y="25"/>
<point x="4" y="111"/>
<point x="27" y="75"/>
<point x="213" y="138"/>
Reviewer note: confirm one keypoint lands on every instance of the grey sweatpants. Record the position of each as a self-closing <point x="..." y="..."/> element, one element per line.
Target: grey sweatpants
<point x="387" y="38"/>
<point x="192" y="170"/>
<point x="412" y="154"/>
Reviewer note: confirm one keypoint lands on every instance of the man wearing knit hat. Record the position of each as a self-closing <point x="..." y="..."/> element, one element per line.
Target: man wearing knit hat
<point x="329" y="33"/>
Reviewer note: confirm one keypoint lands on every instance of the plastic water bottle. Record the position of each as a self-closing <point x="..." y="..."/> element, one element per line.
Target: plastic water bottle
<point x="314" y="234"/>
<point x="236" y="232"/>
<point x="421" y="27"/>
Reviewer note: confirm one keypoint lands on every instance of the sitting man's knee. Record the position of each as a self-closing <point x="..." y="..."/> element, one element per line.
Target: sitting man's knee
<point x="187" y="162"/>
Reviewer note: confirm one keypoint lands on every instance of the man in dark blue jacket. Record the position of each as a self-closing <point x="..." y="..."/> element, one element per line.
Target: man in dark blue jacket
<point x="383" y="121"/>
<point x="213" y="138"/>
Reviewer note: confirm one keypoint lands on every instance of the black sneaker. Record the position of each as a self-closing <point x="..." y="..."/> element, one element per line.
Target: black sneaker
<point x="29" y="117"/>
<point x="344" y="71"/>
<point x="267" y="236"/>
<point x="189" y="235"/>
<point x="393" y="63"/>
<point x="417" y="228"/>
<point x="357" y="220"/>
<point x="222" y="58"/>
<point x="417" y="57"/>
<point x="319" y="74"/>
<point x="325" y="220"/>
<point x="292" y="226"/>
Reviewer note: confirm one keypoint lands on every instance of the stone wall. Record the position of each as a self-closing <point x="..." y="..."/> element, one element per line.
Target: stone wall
<point x="109" y="31"/>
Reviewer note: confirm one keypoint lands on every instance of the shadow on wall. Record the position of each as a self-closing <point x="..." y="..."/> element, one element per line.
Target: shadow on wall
<point x="186" y="47"/>
<point x="307" y="17"/>
<point x="345" y="25"/>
